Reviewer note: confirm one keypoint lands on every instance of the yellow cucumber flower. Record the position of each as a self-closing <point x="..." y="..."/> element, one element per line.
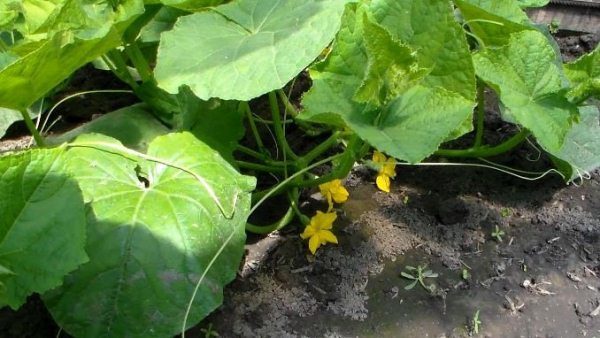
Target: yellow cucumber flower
<point x="387" y="170"/>
<point x="334" y="191"/>
<point x="318" y="230"/>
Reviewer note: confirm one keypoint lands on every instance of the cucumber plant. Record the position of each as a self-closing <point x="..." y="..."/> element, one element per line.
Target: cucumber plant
<point x="133" y="223"/>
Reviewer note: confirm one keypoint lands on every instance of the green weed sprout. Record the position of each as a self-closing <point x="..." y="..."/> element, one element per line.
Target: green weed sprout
<point x="497" y="234"/>
<point x="209" y="332"/>
<point x="475" y="323"/>
<point x="418" y="275"/>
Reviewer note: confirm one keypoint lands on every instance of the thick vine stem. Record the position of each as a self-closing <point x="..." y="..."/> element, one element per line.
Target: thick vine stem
<point x="34" y="132"/>
<point x="278" y="126"/>
<point x="356" y="149"/>
<point x="480" y="113"/>
<point x="259" y="167"/>
<point x="139" y="62"/>
<point x="255" y="133"/>
<point x="282" y="222"/>
<point x="485" y="151"/>
<point x="286" y="102"/>
<point x="118" y="66"/>
<point x="321" y="148"/>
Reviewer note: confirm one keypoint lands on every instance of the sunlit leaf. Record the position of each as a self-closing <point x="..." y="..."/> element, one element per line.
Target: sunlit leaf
<point x="154" y="226"/>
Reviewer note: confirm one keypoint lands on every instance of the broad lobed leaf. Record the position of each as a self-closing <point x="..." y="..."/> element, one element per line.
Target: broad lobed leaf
<point x="584" y="74"/>
<point x="429" y="110"/>
<point x="42" y="228"/>
<point x="246" y="48"/>
<point x="60" y="38"/>
<point x="530" y="86"/>
<point x="154" y="226"/>
<point x="581" y="149"/>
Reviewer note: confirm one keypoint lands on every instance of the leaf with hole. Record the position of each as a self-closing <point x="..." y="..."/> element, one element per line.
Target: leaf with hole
<point x="156" y="221"/>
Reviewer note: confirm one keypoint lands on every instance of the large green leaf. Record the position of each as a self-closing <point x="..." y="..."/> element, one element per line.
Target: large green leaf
<point x="189" y="5"/>
<point x="392" y="67"/>
<point x="414" y="125"/>
<point x="7" y="118"/>
<point x="530" y="86"/>
<point x="430" y="28"/>
<point x="72" y="35"/>
<point x="581" y="149"/>
<point x="86" y="20"/>
<point x="42" y="228"/>
<point x="584" y="74"/>
<point x="532" y="3"/>
<point x="493" y="22"/>
<point x="219" y="124"/>
<point x="161" y="22"/>
<point x="154" y="227"/>
<point x="336" y="80"/>
<point x="245" y="48"/>
<point x="414" y="122"/>
<point x="133" y="126"/>
<point x="30" y="77"/>
<point x="508" y="9"/>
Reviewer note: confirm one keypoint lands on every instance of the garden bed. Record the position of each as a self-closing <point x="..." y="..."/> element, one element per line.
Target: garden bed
<point x="520" y="256"/>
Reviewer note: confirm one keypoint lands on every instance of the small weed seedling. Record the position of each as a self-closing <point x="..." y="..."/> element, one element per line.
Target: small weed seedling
<point x="465" y="274"/>
<point x="505" y="212"/>
<point x="405" y="199"/>
<point x="418" y="275"/>
<point x="497" y="234"/>
<point x="209" y="332"/>
<point x="475" y="323"/>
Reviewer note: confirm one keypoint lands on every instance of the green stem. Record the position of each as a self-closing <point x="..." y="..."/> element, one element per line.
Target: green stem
<point x="286" y="102"/>
<point x="278" y="126"/>
<point x="321" y="148"/>
<point x="257" y="138"/>
<point x="293" y="197"/>
<point x="486" y="151"/>
<point x="263" y="230"/>
<point x="279" y="188"/>
<point x="305" y="126"/>
<point x="259" y="167"/>
<point x="139" y="62"/>
<point x="480" y="113"/>
<point x="356" y="149"/>
<point x="34" y="132"/>
<point x="119" y="67"/>
<point x="251" y="152"/>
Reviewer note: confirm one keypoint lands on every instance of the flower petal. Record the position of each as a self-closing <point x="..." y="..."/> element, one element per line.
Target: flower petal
<point x="327" y="236"/>
<point x="389" y="168"/>
<point x="326" y="220"/>
<point x="383" y="182"/>
<point x="314" y="243"/>
<point x="378" y="157"/>
<point x="309" y="231"/>
<point x="340" y="194"/>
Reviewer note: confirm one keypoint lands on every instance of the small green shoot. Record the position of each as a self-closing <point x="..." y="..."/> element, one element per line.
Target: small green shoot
<point x="465" y="274"/>
<point x="209" y="332"/>
<point x="505" y="212"/>
<point x="497" y="234"/>
<point x="418" y="275"/>
<point x="405" y="199"/>
<point x="554" y="26"/>
<point x="475" y="323"/>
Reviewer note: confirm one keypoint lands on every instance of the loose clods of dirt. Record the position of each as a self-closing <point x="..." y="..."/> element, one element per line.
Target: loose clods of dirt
<point x="542" y="273"/>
